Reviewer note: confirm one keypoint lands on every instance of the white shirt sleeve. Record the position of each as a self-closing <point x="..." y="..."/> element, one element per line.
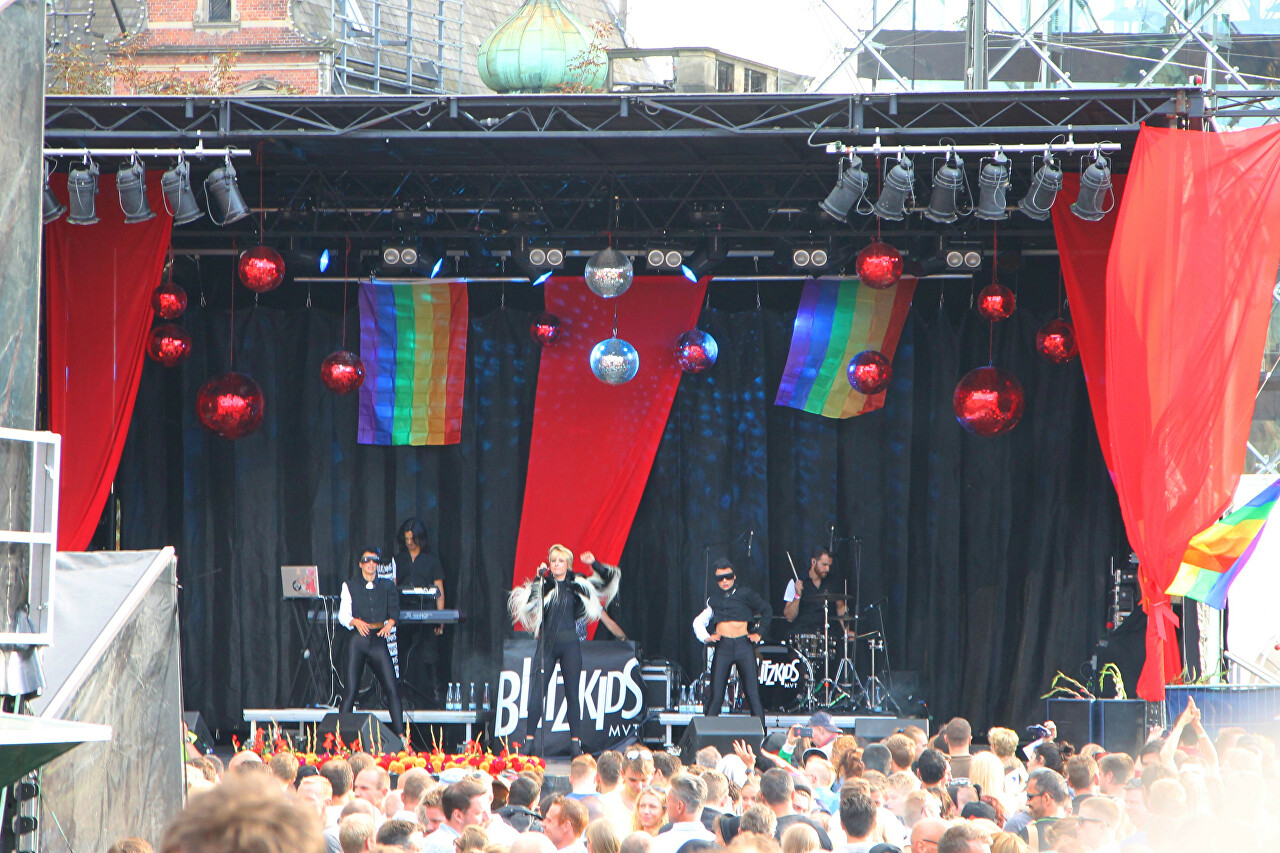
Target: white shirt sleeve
<point x="390" y="572"/>
<point x="344" y="609"/>
<point x="790" y="594"/>
<point x="700" y="623"/>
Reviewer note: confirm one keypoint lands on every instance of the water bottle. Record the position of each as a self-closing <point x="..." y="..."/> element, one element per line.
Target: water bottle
<point x="471" y="697"/>
<point x="486" y="696"/>
<point x="451" y="704"/>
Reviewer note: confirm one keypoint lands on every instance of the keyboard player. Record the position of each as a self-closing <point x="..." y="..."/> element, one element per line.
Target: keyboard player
<point x="415" y="567"/>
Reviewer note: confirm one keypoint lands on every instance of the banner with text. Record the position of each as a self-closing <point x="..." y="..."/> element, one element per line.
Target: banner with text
<point x="611" y="691"/>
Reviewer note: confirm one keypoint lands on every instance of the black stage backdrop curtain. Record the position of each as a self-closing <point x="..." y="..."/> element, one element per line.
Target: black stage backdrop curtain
<point x="990" y="556"/>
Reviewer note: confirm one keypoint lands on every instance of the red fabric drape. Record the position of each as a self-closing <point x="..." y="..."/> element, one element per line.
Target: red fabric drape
<point x="1187" y="298"/>
<point x="1083" y="249"/>
<point x="99" y="280"/>
<point x="593" y="444"/>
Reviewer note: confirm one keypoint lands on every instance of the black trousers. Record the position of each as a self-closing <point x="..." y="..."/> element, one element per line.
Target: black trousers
<point x="566" y="648"/>
<point x="731" y="652"/>
<point x="374" y="650"/>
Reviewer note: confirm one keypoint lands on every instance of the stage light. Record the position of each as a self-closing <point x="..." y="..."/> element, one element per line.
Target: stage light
<point x="962" y="256"/>
<point x="542" y="278"/>
<point x="222" y="186"/>
<point x="947" y="182"/>
<point x="437" y="267"/>
<point x="703" y="261"/>
<point x="131" y="188"/>
<point x="82" y="186"/>
<point x="543" y="258"/>
<point x="810" y="258"/>
<point x="399" y="257"/>
<point x="181" y="201"/>
<point x="51" y="206"/>
<point x="1095" y="184"/>
<point x="993" y="183"/>
<point x="323" y="263"/>
<point x="664" y="259"/>
<point x="897" y="189"/>
<point x="537" y="262"/>
<point x="848" y="194"/>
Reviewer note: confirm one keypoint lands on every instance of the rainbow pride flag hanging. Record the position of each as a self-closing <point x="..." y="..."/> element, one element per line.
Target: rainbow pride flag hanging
<point x="413" y="339"/>
<point x="1216" y="556"/>
<point x="837" y="319"/>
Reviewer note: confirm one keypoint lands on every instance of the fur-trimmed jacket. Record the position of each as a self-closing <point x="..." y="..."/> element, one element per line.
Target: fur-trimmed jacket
<point x="530" y="600"/>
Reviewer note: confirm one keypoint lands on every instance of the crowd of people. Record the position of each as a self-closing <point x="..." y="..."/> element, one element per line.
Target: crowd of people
<point x="803" y="791"/>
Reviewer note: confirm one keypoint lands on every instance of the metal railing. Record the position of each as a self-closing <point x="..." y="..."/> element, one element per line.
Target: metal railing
<point x="397" y="47"/>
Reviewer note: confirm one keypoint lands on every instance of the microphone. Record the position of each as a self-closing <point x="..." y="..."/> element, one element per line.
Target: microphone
<point x="751" y="534"/>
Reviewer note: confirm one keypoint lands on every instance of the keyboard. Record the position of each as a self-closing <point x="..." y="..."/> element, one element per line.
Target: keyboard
<point x="432" y="616"/>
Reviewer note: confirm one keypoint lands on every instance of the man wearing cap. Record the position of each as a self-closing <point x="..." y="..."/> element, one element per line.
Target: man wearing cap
<point x="732" y="622"/>
<point x="797" y="749"/>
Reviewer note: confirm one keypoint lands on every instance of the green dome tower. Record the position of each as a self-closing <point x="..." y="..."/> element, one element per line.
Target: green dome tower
<point x="532" y="50"/>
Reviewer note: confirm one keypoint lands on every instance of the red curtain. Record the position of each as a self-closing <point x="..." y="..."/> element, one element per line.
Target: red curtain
<point x="593" y="444"/>
<point x="1187" y="301"/>
<point x="99" y="280"/>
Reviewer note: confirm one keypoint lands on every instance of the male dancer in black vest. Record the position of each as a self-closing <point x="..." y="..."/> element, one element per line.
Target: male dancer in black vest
<point x="370" y="607"/>
<point x="732" y="622"/>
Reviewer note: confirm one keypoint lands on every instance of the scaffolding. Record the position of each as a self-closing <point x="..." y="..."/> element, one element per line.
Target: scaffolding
<point x="397" y="47"/>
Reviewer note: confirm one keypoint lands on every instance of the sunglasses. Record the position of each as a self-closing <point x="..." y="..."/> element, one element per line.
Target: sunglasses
<point x="364" y="560"/>
<point x="727" y="577"/>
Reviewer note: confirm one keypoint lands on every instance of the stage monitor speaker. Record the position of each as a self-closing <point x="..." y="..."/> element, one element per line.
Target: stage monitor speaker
<point x="1120" y="725"/>
<point x="719" y="732"/>
<point x="196" y="725"/>
<point x="1073" y="717"/>
<point x="372" y="732"/>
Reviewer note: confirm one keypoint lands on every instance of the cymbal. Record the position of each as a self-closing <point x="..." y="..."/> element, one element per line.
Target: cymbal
<point x="829" y="596"/>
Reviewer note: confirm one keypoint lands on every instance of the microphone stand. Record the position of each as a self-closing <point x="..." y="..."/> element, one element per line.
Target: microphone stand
<point x="539" y="734"/>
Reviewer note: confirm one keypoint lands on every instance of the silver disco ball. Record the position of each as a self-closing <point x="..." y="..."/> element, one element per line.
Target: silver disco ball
<point x="609" y="273"/>
<point x="614" y="361"/>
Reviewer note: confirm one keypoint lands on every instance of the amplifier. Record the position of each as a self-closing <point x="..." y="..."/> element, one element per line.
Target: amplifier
<point x="659" y="679"/>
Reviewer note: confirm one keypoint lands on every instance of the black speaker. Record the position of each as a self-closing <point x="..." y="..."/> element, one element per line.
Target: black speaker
<point x="196" y="725"/>
<point x="1073" y="717"/>
<point x="373" y="733"/>
<point x="719" y="732"/>
<point x="1120" y="725"/>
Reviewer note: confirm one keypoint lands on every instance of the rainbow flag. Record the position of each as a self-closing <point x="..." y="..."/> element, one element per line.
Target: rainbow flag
<point x="837" y="319"/>
<point x="413" y="339"/>
<point x="1216" y="556"/>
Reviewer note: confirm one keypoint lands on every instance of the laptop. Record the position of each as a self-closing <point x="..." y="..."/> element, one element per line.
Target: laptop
<point x="300" y="581"/>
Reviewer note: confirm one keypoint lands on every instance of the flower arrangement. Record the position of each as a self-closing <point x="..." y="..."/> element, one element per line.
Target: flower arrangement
<point x="316" y="751"/>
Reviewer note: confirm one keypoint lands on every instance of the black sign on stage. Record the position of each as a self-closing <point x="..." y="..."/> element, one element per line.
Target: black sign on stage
<point x="611" y="691"/>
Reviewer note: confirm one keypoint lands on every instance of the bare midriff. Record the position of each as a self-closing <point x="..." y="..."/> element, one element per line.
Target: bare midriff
<point x="731" y="629"/>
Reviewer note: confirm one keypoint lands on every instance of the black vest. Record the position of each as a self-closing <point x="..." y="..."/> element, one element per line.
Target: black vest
<point x="374" y="605"/>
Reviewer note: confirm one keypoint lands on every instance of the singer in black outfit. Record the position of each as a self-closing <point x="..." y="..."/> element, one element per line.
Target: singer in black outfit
<point x="557" y="606"/>
<point x="732" y="623"/>
<point x="370" y="607"/>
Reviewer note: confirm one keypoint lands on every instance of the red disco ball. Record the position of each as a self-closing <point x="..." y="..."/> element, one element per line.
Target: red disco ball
<point x="996" y="302"/>
<point x="696" y="351"/>
<point x="169" y="300"/>
<point x="342" y="372"/>
<point x="169" y="344"/>
<point x="230" y="405"/>
<point x="870" y="372"/>
<point x="261" y="269"/>
<point x="1056" y="341"/>
<point x="989" y="401"/>
<point x="546" y="329"/>
<point x="879" y="266"/>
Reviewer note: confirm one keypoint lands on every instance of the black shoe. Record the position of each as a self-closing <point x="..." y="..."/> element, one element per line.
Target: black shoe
<point x="575" y="747"/>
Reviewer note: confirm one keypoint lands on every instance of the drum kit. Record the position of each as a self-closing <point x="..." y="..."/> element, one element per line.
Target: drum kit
<point x="788" y="671"/>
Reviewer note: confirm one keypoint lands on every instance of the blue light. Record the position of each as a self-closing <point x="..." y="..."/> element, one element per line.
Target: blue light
<point x="688" y="273"/>
<point x="542" y="278"/>
<point x="324" y="261"/>
<point x="435" y="270"/>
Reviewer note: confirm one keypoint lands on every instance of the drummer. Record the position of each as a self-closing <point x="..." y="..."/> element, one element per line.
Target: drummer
<point x="802" y="607"/>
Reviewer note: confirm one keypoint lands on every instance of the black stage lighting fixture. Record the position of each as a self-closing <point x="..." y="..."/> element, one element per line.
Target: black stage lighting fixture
<point x="664" y="258"/>
<point x="538" y="262"/>
<point x="222" y="186"/>
<point x="703" y="261"/>
<point x="1045" y="184"/>
<point x="897" y="189"/>
<point x="812" y="258"/>
<point x="967" y="256"/>
<point x="181" y="201"/>
<point x="947" y="182"/>
<point x="51" y="206"/>
<point x="399" y="257"/>
<point x="82" y="186"/>
<point x="1095" y="184"/>
<point x="848" y="194"/>
<point x="993" y="184"/>
<point x="131" y="187"/>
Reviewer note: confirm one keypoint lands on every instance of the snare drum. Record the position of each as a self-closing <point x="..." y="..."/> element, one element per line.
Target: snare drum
<point x="784" y="675"/>
<point x="811" y="645"/>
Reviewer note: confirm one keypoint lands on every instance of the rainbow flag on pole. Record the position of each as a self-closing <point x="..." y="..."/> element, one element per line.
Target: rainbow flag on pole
<point x="413" y="339"/>
<point x="837" y="319"/>
<point x="1216" y="556"/>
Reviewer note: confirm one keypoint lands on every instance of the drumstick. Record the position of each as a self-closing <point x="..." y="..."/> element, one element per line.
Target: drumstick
<point x="793" y="566"/>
